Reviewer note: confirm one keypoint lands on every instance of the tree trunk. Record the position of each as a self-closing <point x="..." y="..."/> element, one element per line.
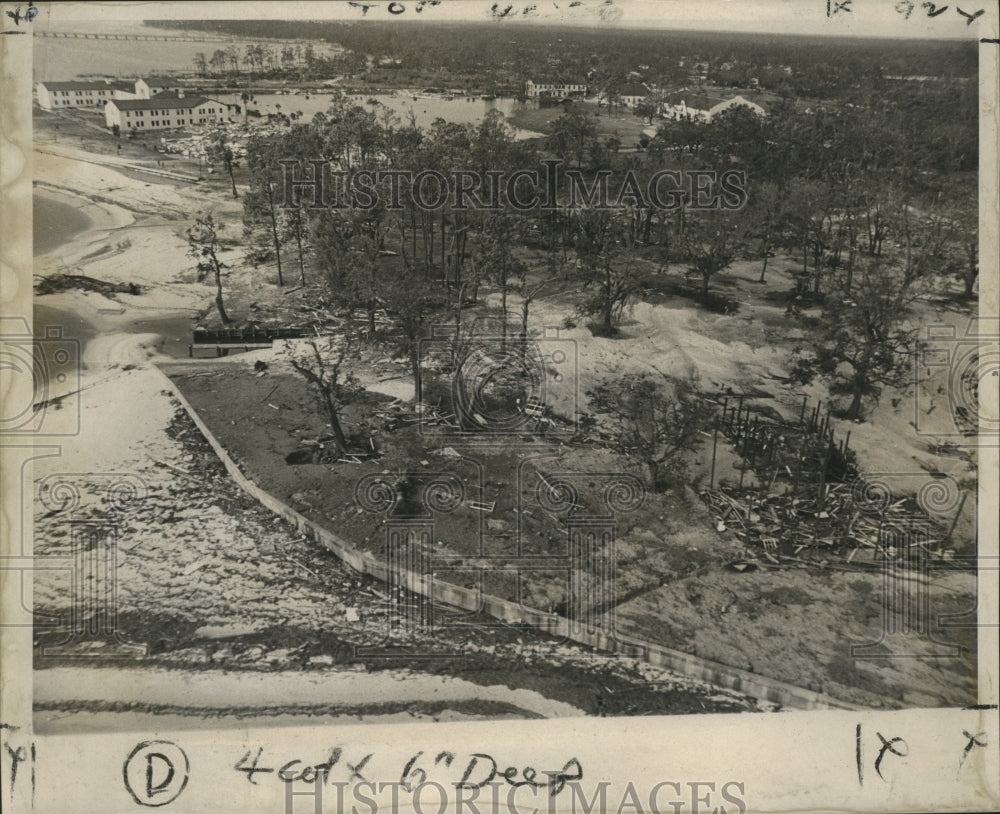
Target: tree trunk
<point x="503" y="315"/>
<point x="298" y="241"/>
<point x="460" y="239"/>
<point x="608" y="304"/>
<point x="444" y="266"/>
<point x="458" y="313"/>
<point x="763" y="269"/>
<point x="969" y="278"/>
<point x="652" y="471"/>
<point x="413" y="231"/>
<point x="218" y="298"/>
<point x="338" y="431"/>
<point x="418" y="385"/>
<point x="429" y="246"/>
<point x="274" y="232"/>
<point x="854" y="411"/>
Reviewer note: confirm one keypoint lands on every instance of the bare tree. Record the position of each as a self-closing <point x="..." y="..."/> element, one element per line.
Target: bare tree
<point x="865" y="341"/>
<point x="260" y="205"/>
<point x="295" y="230"/>
<point x="322" y="363"/>
<point x="765" y="214"/>
<point x="964" y="255"/>
<point x="658" y="419"/>
<point x="413" y="307"/>
<point x="349" y="248"/>
<point x="712" y="241"/>
<point x="604" y="243"/>
<point x="203" y="242"/>
<point x="218" y="60"/>
<point x="219" y="151"/>
<point x="495" y="260"/>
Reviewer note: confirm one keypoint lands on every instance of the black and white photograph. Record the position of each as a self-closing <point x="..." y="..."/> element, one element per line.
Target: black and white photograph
<point x="517" y="368"/>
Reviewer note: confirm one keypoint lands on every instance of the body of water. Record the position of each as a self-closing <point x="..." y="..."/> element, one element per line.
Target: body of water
<point x="59" y="58"/>
<point x="55" y="223"/>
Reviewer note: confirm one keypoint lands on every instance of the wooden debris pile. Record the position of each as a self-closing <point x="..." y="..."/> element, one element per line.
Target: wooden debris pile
<point x="397" y="412"/>
<point x="781" y="527"/>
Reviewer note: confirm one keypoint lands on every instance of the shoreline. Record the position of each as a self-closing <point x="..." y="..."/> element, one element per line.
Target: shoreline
<point x="116" y="246"/>
<point x="55" y="222"/>
<point x="100" y="217"/>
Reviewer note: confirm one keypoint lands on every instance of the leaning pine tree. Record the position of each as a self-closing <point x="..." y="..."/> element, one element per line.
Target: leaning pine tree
<point x="203" y="246"/>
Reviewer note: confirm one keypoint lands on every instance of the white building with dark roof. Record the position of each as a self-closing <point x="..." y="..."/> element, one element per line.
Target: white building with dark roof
<point x="701" y="107"/>
<point x="633" y="93"/>
<point x="737" y="101"/>
<point x="149" y="86"/>
<point x="560" y="90"/>
<point x="164" y="111"/>
<point x="65" y="95"/>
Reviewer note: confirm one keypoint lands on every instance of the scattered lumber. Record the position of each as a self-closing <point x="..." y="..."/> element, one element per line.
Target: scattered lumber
<point x="788" y="527"/>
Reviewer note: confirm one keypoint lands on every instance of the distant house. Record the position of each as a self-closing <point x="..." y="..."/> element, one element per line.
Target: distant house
<point x="149" y="86"/>
<point x="687" y="105"/>
<point x="166" y="110"/>
<point x="736" y="101"/>
<point x="561" y="90"/>
<point x="633" y="93"/>
<point x="699" y="107"/>
<point x="63" y="95"/>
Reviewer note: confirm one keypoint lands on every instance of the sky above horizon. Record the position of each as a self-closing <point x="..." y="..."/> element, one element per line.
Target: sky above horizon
<point x="851" y="18"/>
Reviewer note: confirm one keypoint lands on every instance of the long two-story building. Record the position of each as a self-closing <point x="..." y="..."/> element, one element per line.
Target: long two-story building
<point x="65" y="95"/>
<point x="165" y="110"/>
<point x="560" y="90"/>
